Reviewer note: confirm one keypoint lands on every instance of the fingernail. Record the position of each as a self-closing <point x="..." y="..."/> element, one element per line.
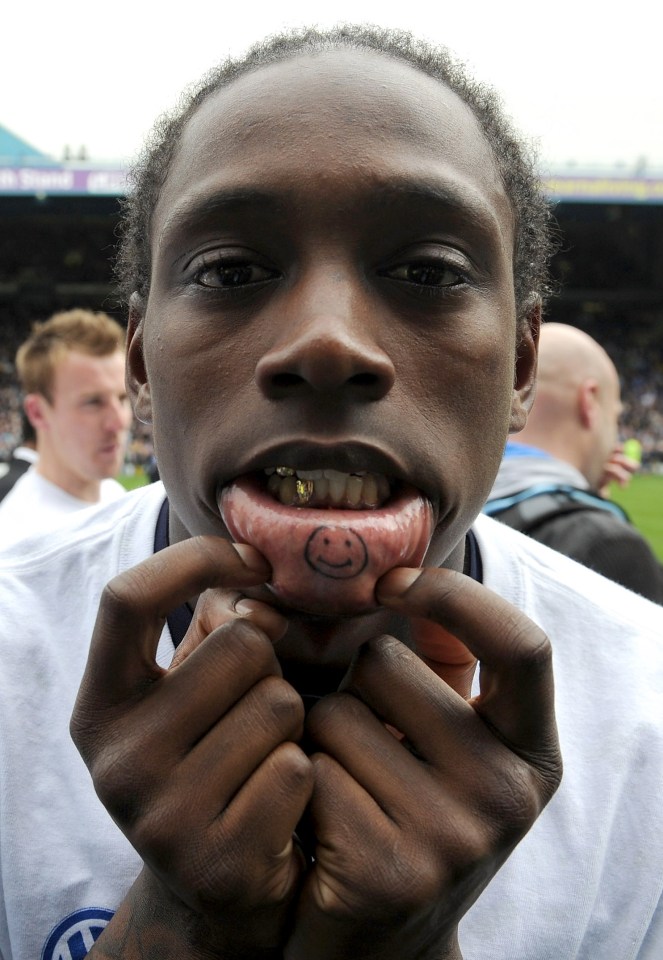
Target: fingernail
<point x="243" y="608"/>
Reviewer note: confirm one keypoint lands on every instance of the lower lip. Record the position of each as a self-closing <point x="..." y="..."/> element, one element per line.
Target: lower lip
<point x="327" y="562"/>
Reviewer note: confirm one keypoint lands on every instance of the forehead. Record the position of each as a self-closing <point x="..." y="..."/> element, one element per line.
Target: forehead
<point x="77" y="372"/>
<point x="351" y="122"/>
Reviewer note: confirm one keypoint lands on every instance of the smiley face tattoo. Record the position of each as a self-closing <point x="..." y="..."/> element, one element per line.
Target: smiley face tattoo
<point x="336" y="552"/>
<point x="326" y="568"/>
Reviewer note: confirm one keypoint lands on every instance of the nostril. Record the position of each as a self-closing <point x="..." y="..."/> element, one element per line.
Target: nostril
<point x="364" y="380"/>
<point x="285" y="380"/>
<point x="326" y="359"/>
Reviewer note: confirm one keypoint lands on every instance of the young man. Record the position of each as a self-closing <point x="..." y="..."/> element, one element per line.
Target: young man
<point x="550" y="479"/>
<point x="329" y="339"/>
<point x="71" y="369"/>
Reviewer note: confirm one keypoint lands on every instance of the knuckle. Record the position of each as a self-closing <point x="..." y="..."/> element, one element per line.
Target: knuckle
<point x="286" y="709"/>
<point x="523" y="641"/>
<point x="274" y="706"/>
<point x="411" y="873"/>
<point x="120" y="595"/>
<point x="411" y="878"/>
<point x="246" y="644"/>
<point x="514" y="801"/>
<point x="550" y="769"/>
<point x="121" y="782"/>
<point x="290" y="769"/>
<point x="333" y="714"/>
<point x="538" y="654"/>
<point x="450" y="844"/>
<point x="83" y="726"/>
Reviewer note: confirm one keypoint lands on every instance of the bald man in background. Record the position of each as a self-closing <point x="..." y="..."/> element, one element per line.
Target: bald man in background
<point x="549" y="483"/>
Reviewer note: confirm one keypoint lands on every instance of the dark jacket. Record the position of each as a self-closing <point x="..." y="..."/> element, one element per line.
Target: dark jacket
<point x="574" y="521"/>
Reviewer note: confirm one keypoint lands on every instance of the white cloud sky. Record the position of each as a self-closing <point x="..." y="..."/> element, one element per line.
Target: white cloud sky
<point x="583" y="78"/>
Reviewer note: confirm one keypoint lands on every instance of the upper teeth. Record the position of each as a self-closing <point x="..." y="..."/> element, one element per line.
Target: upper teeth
<point x="327" y="487"/>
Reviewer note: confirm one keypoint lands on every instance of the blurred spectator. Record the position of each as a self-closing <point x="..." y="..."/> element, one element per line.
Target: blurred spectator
<point x="22" y="457"/>
<point x="72" y="372"/>
<point x="548" y="484"/>
<point x="152" y="469"/>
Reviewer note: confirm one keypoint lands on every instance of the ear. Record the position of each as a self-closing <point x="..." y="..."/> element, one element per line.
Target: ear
<point x="138" y="387"/>
<point x="35" y="405"/>
<point x="527" y="352"/>
<point x="588" y="403"/>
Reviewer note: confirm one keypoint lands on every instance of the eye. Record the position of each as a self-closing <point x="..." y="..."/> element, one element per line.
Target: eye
<point x="230" y="274"/>
<point x="425" y="273"/>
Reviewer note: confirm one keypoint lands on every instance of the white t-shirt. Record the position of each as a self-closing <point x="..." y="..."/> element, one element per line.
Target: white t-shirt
<point x="584" y="884"/>
<point x="35" y="505"/>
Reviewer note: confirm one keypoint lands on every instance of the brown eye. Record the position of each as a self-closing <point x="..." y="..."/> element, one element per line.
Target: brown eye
<point x="229" y="275"/>
<point x="425" y="273"/>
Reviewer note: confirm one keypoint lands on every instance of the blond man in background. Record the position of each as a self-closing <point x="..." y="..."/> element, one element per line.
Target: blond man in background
<point x="71" y="370"/>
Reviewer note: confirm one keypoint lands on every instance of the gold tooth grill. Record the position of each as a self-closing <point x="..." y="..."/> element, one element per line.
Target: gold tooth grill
<point x="304" y="491"/>
<point x="365" y="491"/>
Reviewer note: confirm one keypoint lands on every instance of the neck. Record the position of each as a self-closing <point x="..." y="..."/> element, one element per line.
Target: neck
<point x="76" y="486"/>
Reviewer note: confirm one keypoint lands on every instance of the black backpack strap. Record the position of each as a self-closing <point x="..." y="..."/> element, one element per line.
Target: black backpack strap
<point x="530" y="508"/>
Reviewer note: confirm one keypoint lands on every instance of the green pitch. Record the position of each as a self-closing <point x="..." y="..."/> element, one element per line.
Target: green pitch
<point x="131" y="481"/>
<point x="643" y="501"/>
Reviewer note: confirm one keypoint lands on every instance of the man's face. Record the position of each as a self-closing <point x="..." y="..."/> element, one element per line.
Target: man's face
<point x="85" y="424"/>
<point x="332" y="289"/>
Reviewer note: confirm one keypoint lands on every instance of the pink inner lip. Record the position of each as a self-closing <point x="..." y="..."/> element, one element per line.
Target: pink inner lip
<point x="327" y="561"/>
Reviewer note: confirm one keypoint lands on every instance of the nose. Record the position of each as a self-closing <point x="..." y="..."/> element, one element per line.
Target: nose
<point x="118" y="415"/>
<point x="328" y="346"/>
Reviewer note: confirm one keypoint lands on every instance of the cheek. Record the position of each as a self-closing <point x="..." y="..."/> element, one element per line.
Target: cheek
<point x="466" y="387"/>
<point x="465" y="394"/>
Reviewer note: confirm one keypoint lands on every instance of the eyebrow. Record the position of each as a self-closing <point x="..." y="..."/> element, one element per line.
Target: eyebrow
<point x="465" y="201"/>
<point x="196" y="210"/>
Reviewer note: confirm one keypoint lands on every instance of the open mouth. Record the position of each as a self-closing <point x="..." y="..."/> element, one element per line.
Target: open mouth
<point x="328" y="489"/>
<point x="328" y="535"/>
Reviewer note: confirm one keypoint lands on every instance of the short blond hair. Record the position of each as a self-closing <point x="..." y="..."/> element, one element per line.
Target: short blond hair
<point x="95" y="334"/>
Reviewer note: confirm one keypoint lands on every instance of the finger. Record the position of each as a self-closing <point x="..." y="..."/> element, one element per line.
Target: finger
<point x="273" y="801"/>
<point x="216" y="607"/>
<point x="346" y="821"/>
<point x="153" y="728"/>
<point x="444" y="654"/>
<point x="437" y="724"/>
<point x="360" y="879"/>
<point x="346" y="727"/>
<point x="226" y="756"/>
<point x="516" y="680"/>
<point x="184" y="704"/>
<point x="246" y="853"/>
<point x="134" y="606"/>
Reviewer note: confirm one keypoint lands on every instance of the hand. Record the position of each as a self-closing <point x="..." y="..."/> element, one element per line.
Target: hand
<point x="618" y="469"/>
<point x="409" y="833"/>
<point x="196" y="764"/>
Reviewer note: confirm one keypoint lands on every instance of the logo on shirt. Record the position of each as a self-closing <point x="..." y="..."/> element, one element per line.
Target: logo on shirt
<point x="75" y="936"/>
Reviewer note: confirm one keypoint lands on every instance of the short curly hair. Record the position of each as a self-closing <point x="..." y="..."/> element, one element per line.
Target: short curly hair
<point x="534" y="243"/>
